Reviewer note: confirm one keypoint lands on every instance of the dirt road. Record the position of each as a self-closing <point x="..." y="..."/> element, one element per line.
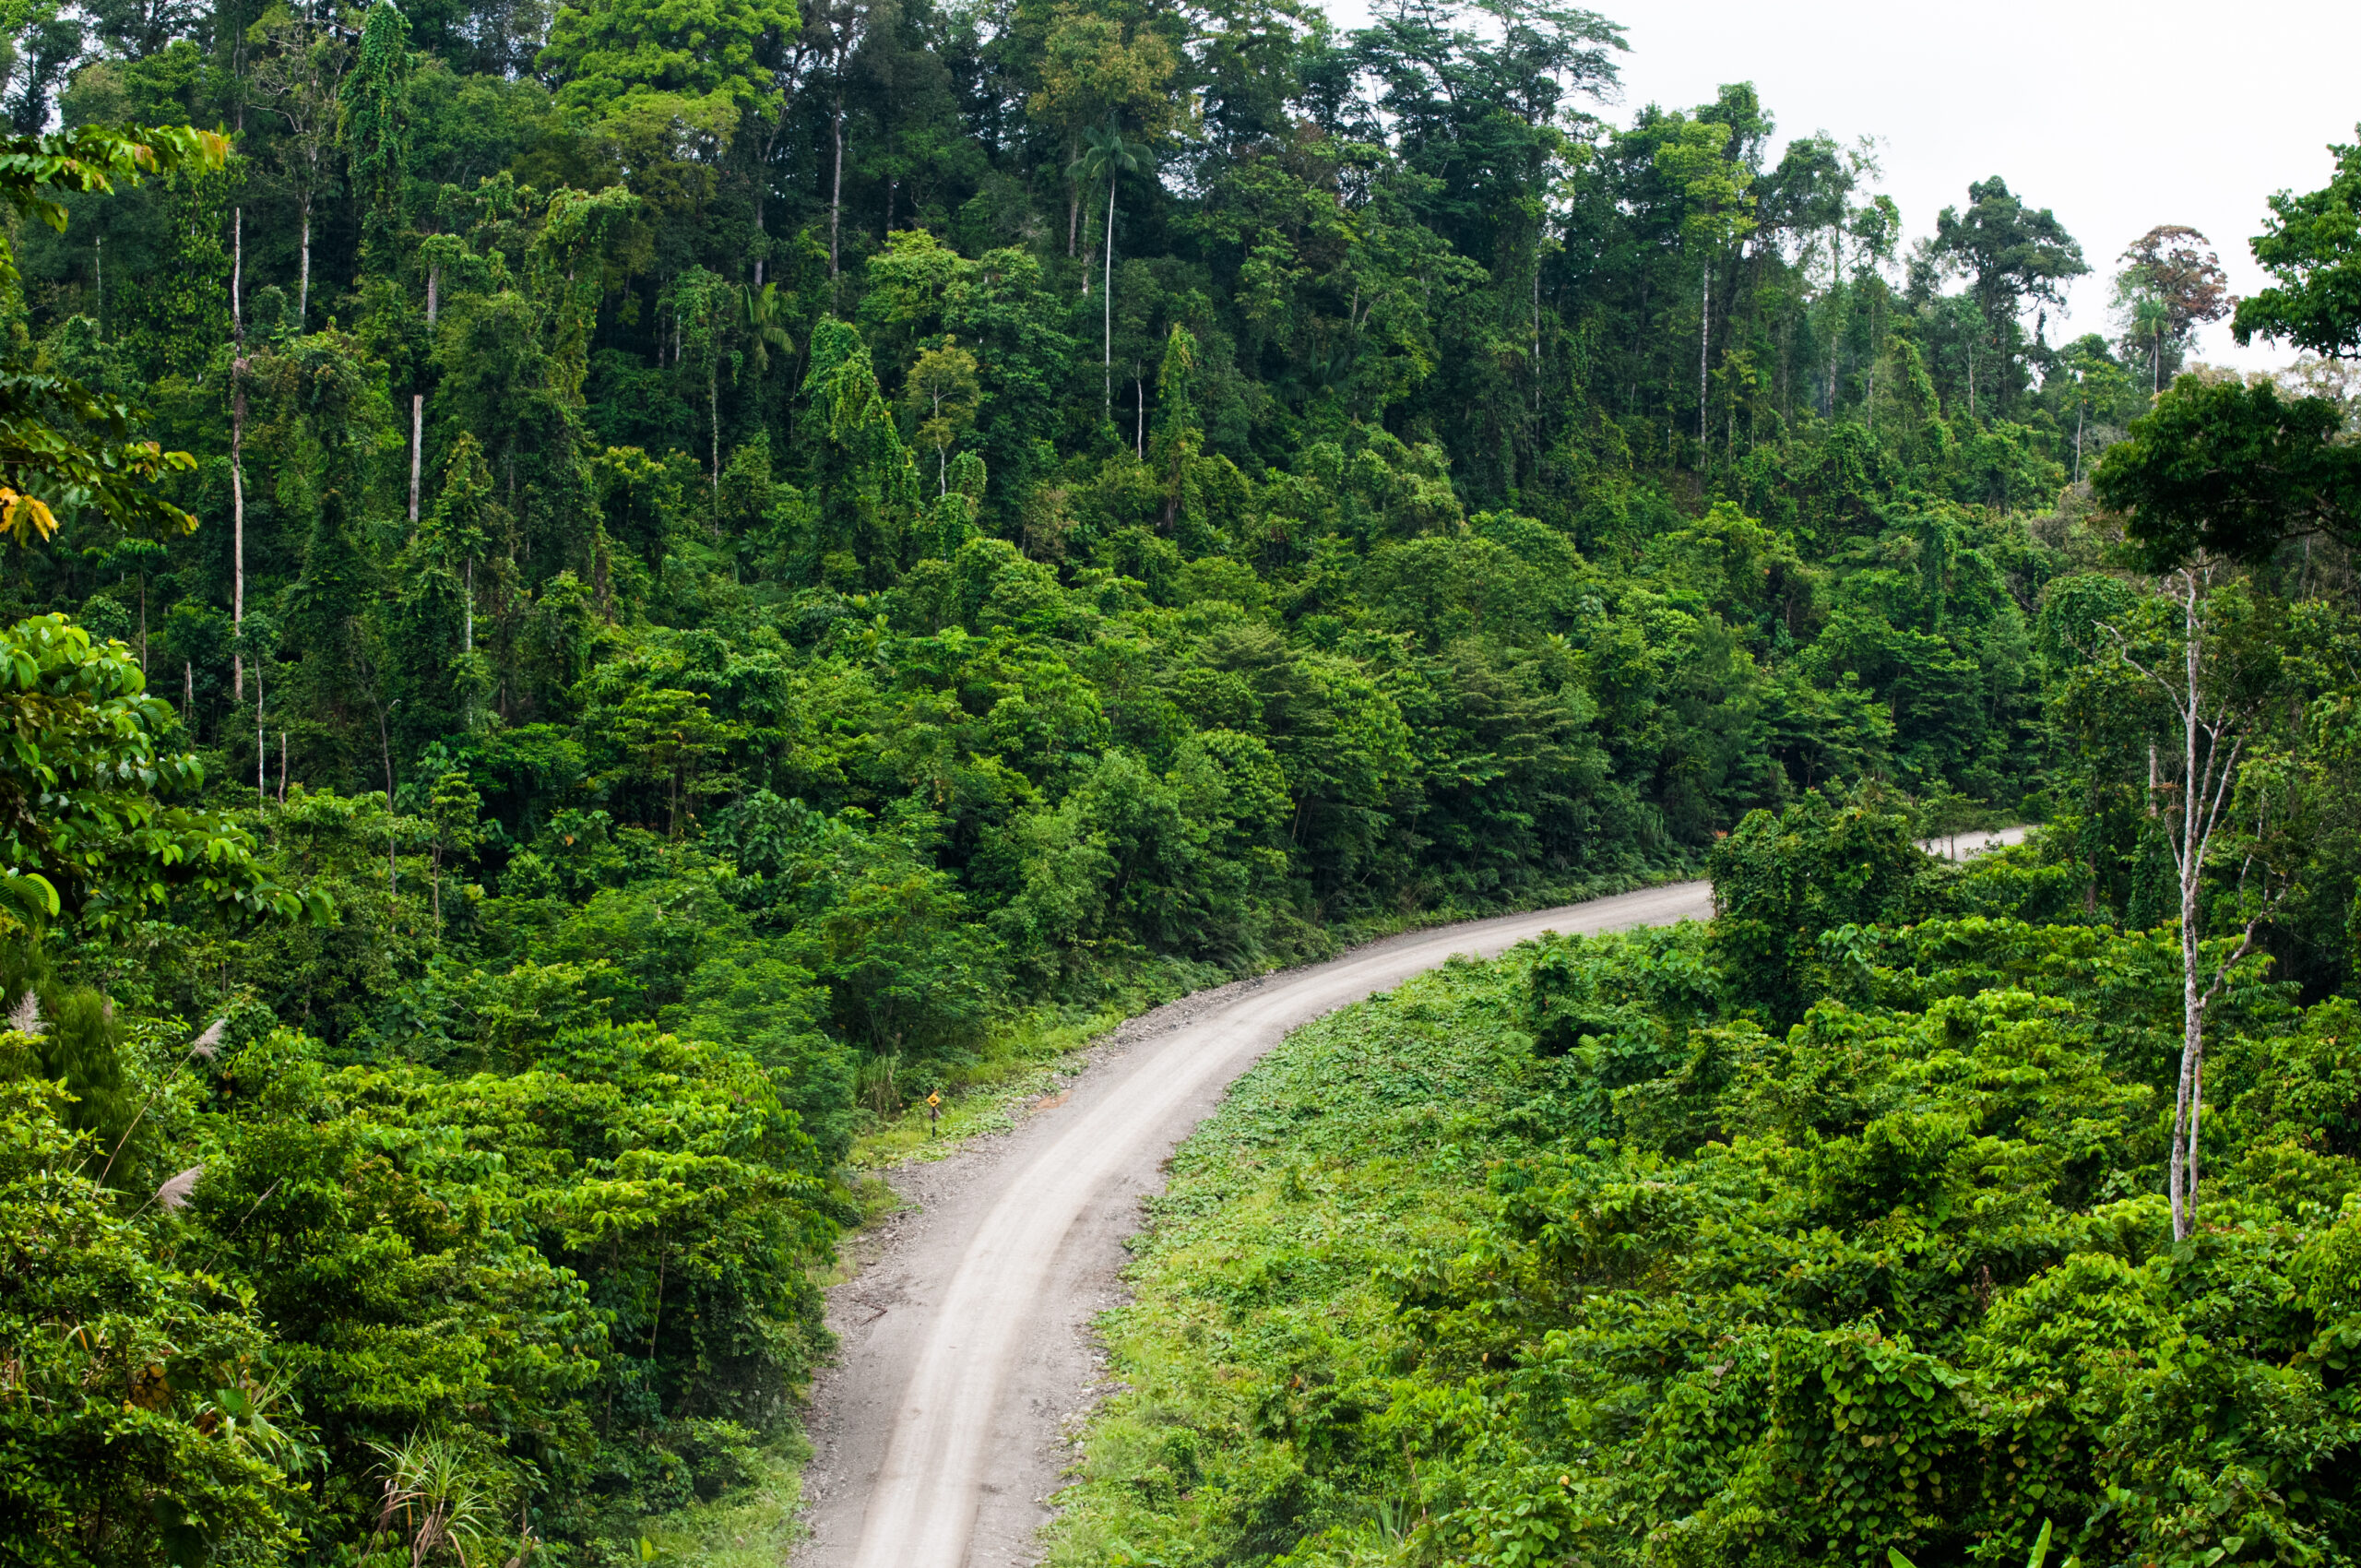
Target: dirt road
<point x="965" y="1347"/>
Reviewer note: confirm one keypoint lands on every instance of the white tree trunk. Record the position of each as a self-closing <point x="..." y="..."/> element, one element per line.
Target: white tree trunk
<point x="417" y="399"/>
<point x="1835" y="310"/>
<point x="417" y="425"/>
<point x="237" y="519"/>
<point x="836" y="189"/>
<point x="1108" y="304"/>
<point x="1704" y="331"/>
<point x="303" y="281"/>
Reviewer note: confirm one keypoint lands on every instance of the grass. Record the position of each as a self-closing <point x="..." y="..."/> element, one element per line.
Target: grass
<point x="1032" y="1054"/>
<point x="1361" y="1142"/>
<point x="1019" y="1062"/>
<point x="1326" y="1214"/>
<point x="752" y="1525"/>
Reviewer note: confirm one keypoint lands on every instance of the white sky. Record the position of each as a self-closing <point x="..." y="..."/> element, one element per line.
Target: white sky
<point x="2117" y="115"/>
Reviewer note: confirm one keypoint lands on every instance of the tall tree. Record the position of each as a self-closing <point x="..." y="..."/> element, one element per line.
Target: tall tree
<point x="1715" y="194"/>
<point x="376" y="112"/>
<point x="2219" y="671"/>
<point x="2311" y="246"/>
<point x="2170" y="284"/>
<point x="1107" y="157"/>
<point x="297" y="77"/>
<point x="2011" y="254"/>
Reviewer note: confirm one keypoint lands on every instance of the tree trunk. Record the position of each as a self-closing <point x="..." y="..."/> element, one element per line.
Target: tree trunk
<point x="386" y="747"/>
<point x="762" y="190"/>
<point x="237" y="274"/>
<point x="2210" y="750"/>
<point x="1704" y="332"/>
<point x="836" y="188"/>
<point x="1106" y="403"/>
<point x="418" y="398"/>
<point x="1835" y="311"/>
<point x="2191" y="858"/>
<point x="237" y="518"/>
<point x="417" y="425"/>
<point x="1877" y="349"/>
<point x="303" y="278"/>
<point x="1536" y="321"/>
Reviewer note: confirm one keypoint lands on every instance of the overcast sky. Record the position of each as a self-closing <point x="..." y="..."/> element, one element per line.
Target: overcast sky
<point x="2118" y="116"/>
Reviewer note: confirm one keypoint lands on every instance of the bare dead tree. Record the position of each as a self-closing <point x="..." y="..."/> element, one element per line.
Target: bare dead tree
<point x="2217" y="705"/>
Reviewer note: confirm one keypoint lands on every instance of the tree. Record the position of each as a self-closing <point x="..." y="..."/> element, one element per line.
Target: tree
<point x="298" y="77"/>
<point x="1716" y="201"/>
<point x="2171" y="284"/>
<point x="665" y="90"/>
<point x="2217" y="670"/>
<point x="2146" y="320"/>
<point x="706" y="310"/>
<point x="2097" y="380"/>
<point x="180" y="1460"/>
<point x="441" y="564"/>
<point x="672" y="737"/>
<point x="2010" y="253"/>
<point x="1094" y="69"/>
<point x="762" y="316"/>
<point x="455" y="810"/>
<point x="706" y="61"/>
<point x="2311" y="244"/>
<point x="1107" y="156"/>
<point x="89" y="826"/>
<point x="941" y="393"/>
<point x="62" y="442"/>
<point x="2231" y="468"/>
<point x="44" y="46"/>
<point x="374" y="116"/>
<point x="840" y="25"/>
<point x="761" y="324"/>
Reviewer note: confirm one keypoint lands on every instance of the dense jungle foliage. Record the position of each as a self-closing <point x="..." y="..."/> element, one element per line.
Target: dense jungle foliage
<point x="1581" y="1257"/>
<point x="592" y="612"/>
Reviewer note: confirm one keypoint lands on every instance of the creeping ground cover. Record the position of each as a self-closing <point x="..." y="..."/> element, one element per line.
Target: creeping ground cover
<point x="1614" y="1252"/>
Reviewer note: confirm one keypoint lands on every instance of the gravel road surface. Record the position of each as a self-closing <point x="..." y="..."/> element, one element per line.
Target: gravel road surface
<point x="966" y="1356"/>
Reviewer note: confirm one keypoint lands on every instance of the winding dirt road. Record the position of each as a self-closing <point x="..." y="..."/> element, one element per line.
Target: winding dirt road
<point x="940" y="1430"/>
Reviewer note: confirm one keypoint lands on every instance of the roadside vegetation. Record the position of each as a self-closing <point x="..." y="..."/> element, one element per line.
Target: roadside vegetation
<point x="1613" y="1251"/>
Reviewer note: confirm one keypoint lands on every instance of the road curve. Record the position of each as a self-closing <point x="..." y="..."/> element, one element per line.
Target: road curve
<point x="939" y="1433"/>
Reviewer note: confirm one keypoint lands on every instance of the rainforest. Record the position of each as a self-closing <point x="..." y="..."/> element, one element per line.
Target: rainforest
<point x="596" y="630"/>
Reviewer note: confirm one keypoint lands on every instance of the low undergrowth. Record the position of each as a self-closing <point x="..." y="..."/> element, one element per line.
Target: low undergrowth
<point x="1567" y="1259"/>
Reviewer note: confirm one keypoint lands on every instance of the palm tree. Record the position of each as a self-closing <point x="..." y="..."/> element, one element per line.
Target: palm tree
<point x="760" y="313"/>
<point x="2151" y="316"/>
<point x="1107" y="156"/>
